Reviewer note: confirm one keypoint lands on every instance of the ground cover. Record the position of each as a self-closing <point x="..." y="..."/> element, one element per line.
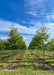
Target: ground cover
<point x="9" y="59"/>
<point x="47" y="58"/>
<point x="28" y="66"/>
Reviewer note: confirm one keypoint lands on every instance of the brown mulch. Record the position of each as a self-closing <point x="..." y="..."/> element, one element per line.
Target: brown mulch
<point x="15" y="63"/>
<point x="42" y="64"/>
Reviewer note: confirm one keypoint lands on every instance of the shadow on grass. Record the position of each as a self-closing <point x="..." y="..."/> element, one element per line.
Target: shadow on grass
<point x="1" y="66"/>
<point x="30" y="66"/>
<point x="5" y="61"/>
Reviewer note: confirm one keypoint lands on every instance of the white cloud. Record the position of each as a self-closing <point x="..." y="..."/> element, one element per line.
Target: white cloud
<point x="3" y="37"/>
<point x="35" y="5"/>
<point x="27" y="39"/>
<point x="32" y="13"/>
<point x="51" y="30"/>
<point x="37" y="24"/>
<point x="40" y="7"/>
<point x="50" y="25"/>
<point x="23" y="22"/>
<point x="5" y="26"/>
<point x="50" y="17"/>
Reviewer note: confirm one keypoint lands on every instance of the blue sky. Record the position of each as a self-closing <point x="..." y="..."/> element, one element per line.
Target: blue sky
<point x="27" y="16"/>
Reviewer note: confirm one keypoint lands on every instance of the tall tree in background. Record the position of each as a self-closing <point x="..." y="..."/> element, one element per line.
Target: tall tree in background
<point x="40" y="38"/>
<point x="2" y="45"/>
<point x="15" y="40"/>
<point x="44" y="34"/>
<point x="43" y="31"/>
<point x="36" y="42"/>
<point x="50" y="45"/>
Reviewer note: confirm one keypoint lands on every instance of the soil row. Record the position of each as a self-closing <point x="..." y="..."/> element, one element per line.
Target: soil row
<point x="4" y="52"/>
<point x="5" y="57"/>
<point x="49" y="56"/>
<point x="42" y="64"/>
<point x="15" y="63"/>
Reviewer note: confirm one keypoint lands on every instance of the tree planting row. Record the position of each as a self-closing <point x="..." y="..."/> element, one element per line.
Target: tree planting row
<point x="48" y="59"/>
<point x="10" y="58"/>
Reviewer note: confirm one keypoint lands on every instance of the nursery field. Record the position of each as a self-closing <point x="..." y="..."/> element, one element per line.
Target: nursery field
<point x="48" y="56"/>
<point x="26" y="62"/>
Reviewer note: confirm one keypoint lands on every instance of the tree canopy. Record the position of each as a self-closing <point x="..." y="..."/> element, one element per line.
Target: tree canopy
<point x="15" y="40"/>
<point x="50" y="45"/>
<point x="40" y="37"/>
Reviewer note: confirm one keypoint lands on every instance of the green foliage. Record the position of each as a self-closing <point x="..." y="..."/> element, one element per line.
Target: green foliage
<point x="50" y="45"/>
<point x="14" y="42"/>
<point x="40" y="38"/>
<point x="36" y="42"/>
<point x="2" y="46"/>
<point x="43" y="31"/>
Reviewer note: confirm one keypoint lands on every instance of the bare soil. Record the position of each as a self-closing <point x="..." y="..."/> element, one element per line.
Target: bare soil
<point x="49" y="56"/>
<point x="42" y="64"/>
<point x="5" y="57"/>
<point x="15" y="63"/>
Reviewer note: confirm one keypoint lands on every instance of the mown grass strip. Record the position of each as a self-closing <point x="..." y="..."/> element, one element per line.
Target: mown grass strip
<point x="8" y="60"/>
<point x="28" y="62"/>
<point x="47" y="59"/>
<point x="27" y="70"/>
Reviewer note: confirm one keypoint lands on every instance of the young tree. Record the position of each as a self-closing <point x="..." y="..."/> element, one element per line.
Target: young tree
<point x="15" y="40"/>
<point x="2" y="44"/>
<point x="50" y="44"/>
<point x="36" y="42"/>
<point x="43" y="31"/>
<point x="41" y="36"/>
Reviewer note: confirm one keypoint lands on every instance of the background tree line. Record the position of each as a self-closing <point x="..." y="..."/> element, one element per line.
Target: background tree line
<point x="14" y="42"/>
<point x="40" y="38"/>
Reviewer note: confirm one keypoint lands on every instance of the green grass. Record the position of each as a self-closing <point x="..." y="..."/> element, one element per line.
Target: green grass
<point x="26" y="72"/>
<point x="6" y="55"/>
<point x="47" y="59"/>
<point x="28" y="67"/>
<point x="28" y="62"/>
<point x="9" y="59"/>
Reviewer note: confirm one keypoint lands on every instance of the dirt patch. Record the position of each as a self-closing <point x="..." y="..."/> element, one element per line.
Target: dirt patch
<point x="49" y="56"/>
<point x="42" y="64"/>
<point x="5" y="57"/>
<point x="14" y="64"/>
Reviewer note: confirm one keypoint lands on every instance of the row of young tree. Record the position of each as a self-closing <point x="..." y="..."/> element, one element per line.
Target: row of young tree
<point x="14" y="42"/>
<point x="40" y="40"/>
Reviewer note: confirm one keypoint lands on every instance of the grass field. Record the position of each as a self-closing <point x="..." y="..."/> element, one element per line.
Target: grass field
<point x="9" y="59"/>
<point x="27" y="66"/>
<point x="48" y="56"/>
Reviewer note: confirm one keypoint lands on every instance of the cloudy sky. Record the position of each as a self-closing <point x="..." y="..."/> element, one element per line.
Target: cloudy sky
<point x="27" y="16"/>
